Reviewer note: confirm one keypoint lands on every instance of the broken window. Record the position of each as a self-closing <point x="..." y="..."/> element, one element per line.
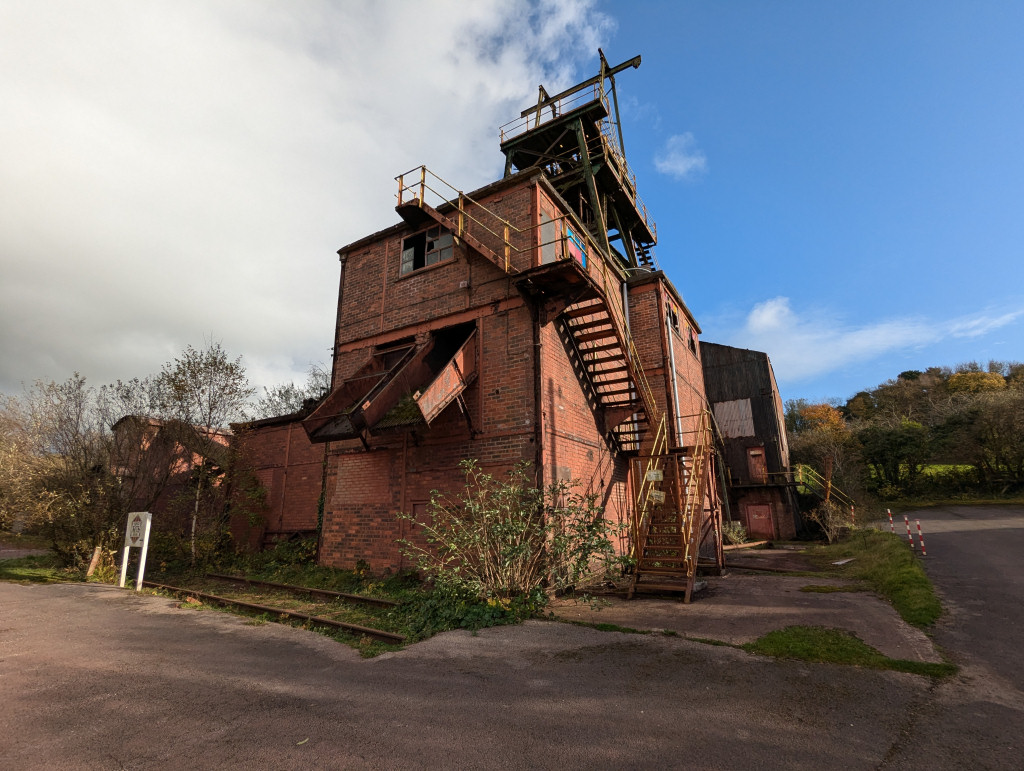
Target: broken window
<point x="427" y="248"/>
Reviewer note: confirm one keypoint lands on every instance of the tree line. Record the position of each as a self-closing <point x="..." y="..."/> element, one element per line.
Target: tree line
<point x="75" y="459"/>
<point x="941" y="432"/>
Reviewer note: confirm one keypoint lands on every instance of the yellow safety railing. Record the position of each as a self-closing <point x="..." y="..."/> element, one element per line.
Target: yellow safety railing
<point x="693" y="504"/>
<point x="823" y="488"/>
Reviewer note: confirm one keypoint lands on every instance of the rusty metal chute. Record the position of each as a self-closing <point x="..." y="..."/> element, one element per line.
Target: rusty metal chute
<point x="449" y="384"/>
<point x="396" y="391"/>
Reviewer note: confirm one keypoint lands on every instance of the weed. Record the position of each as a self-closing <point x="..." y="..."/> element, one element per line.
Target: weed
<point x="734" y="532"/>
<point x="831" y="517"/>
<point x="835" y="646"/>
<point x="503" y="539"/>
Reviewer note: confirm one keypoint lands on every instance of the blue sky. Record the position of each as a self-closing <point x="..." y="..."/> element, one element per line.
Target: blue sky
<point x="837" y="184"/>
<point x="849" y="179"/>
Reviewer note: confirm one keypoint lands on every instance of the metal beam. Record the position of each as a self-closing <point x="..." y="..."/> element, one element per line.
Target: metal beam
<point x="634" y="63"/>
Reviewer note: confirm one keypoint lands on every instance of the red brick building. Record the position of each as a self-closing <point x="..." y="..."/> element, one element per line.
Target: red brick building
<point x="525" y="321"/>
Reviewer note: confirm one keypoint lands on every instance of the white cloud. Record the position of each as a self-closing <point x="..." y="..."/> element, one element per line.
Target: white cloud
<point x="681" y="158"/>
<point x="807" y="344"/>
<point x="975" y="327"/>
<point x="176" y="170"/>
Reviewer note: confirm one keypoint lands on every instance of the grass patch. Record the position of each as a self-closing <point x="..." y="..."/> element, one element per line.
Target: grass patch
<point x="37" y="569"/>
<point x="23" y="541"/>
<point x="883" y="562"/>
<point x="602" y="627"/>
<point x="826" y="589"/>
<point x="902" y="505"/>
<point x="709" y="641"/>
<point x="835" y="646"/>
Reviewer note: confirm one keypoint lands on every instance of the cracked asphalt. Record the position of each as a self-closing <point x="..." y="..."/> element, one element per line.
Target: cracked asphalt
<point x="96" y="677"/>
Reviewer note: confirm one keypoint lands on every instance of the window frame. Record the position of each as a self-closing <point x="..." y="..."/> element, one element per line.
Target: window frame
<point x="424" y="249"/>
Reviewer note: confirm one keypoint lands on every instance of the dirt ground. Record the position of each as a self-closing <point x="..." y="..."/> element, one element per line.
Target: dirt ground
<point x="740" y="607"/>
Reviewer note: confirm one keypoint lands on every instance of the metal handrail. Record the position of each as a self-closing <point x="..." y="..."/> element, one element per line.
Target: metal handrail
<point x="817" y="484"/>
<point x="521" y="125"/>
<point x="421" y="187"/>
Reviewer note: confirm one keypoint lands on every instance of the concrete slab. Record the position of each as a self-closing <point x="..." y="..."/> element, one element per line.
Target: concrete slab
<point x="739" y="608"/>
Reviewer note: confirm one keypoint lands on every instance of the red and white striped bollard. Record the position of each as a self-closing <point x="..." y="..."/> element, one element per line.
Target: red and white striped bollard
<point x="892" y="527"/>
<point x="920" y="538"/>
<point x="910" y="537"/>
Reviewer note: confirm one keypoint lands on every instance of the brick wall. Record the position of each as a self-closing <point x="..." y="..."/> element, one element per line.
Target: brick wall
<point x="290" y="468"/>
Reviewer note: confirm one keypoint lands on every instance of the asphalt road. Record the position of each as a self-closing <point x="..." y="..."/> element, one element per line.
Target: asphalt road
<point x="95" y="677"/>
<point x="977" y="719"/>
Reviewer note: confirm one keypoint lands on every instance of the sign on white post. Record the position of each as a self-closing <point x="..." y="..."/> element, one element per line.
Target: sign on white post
<point x="137" y="534"/>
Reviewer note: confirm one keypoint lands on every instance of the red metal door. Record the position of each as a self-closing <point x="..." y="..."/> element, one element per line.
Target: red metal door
<point x="759" y="520"/>
<point x="757" y="465"/>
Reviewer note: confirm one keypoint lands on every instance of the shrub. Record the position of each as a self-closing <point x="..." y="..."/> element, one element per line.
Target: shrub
<point x="503" y="540"/>
<point x="831" y="517"/>
<point x="733" y="532"/>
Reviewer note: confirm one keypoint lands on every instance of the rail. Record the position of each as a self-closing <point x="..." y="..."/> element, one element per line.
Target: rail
<point x="552" y="110"/>
<point x="814" y="482"/>
<point x="380" y="634"/>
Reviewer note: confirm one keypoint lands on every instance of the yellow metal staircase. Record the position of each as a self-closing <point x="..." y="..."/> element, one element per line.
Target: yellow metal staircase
<point x="671" y="525"/>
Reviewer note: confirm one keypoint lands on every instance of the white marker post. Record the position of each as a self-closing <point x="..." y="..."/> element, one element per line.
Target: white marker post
<point x="137" y="534"/>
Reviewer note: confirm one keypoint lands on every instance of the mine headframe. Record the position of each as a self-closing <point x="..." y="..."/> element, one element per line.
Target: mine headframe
<point x="575" y="137"/>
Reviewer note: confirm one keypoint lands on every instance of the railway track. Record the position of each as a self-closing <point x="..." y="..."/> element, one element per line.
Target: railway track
<point x="345" y="626"/>
<point x="375" y="601"/>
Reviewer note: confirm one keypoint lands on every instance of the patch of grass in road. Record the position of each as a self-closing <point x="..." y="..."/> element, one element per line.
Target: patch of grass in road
<point x="603" y="627"/>
<point x="826" y="589"/>
<point x="709" y="641"/>
<point x="36" y="569"/>
<point x="835" y="646"/>
<point x="885" y="563"/>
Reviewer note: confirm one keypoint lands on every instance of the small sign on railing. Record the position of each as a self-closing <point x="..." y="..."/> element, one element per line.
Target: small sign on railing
<point x="655" y="475"/>
<point x="136" y="534"/>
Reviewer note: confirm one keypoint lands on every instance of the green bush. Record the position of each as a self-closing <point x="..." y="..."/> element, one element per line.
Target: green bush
<point x="502" y="541"/>
<point x="733" y="532"/>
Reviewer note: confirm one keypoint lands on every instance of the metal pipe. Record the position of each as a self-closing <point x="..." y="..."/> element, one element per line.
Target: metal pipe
<point x="675" y="379"/>
<point x="629" y="355"/>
